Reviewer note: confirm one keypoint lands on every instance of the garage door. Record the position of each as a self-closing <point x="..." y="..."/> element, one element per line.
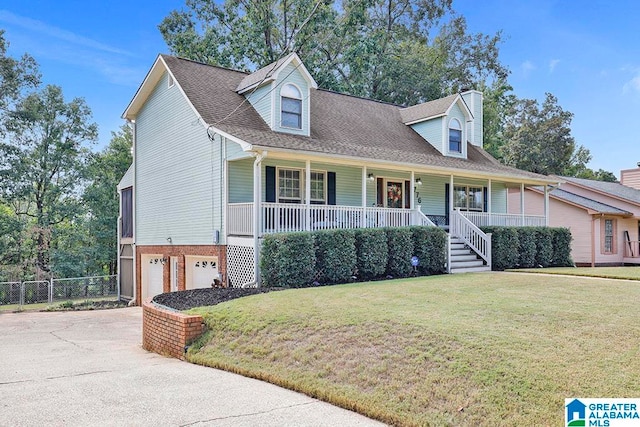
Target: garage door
<point x="151" y="275"/>
<point x="200" y="271"/>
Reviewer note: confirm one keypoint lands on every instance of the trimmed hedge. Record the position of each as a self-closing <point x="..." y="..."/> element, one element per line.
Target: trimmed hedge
<point x="334" y="256"/>
<point x="288" y="259"/>
<point x="523" y="247"/>
<point x="430" y="246"/>
<point x="400" y="243"/>
<point x="372" y="252"/>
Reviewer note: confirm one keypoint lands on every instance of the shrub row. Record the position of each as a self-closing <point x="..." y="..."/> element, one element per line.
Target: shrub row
<point x="336" y="256"/>
<point x="525" y="247"/>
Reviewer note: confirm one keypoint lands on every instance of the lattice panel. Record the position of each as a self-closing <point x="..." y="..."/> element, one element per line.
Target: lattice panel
<point x="240" y="265"/>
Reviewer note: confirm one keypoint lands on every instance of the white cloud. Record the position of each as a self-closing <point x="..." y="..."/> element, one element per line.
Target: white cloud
<point x="527" y="67"/>
<point x="57" y="33"/>
<point x="632" y="85"/>
<point x="552" y="65"/>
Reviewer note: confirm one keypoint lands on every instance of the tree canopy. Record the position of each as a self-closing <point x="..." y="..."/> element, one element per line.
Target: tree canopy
<point x="399" y="51"/>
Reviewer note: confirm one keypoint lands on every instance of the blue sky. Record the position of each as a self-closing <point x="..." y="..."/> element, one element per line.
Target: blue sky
<point x="585" y="52"/>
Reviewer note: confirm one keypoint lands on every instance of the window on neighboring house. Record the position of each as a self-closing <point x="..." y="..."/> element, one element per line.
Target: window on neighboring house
<point x="291" y="106"/>
<point x="468" y="198"/>
<point x="291" y="188"/>
<point x="609" y="234"/>
<point x="126" y="226"/>
<point x="455" y="136"/>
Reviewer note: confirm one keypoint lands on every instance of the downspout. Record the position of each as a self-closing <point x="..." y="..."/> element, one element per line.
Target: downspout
<point x="593" y="241"/>
<point x="257" y="211"/>
<point x="133" y="211"/>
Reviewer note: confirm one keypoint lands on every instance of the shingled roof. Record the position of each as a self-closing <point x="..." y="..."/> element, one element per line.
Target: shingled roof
<point x="427" y="110"/>
<point x="341" y="124"/>
<point x="614" y="189"/>
<point x="585" y="202"/>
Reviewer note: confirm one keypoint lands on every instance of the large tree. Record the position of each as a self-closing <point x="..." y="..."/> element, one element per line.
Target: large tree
<point x="101" y="199"/>
<point x="401" y="51"/>
<point x="42" y="162"/>
<point x="538" y="138"/>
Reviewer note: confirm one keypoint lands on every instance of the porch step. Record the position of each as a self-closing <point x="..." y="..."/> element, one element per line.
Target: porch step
<point x="464" y="259"/>
<point x="470" y="270"/>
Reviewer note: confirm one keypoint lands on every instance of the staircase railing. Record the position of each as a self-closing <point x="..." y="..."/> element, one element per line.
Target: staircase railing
<point x="476" y="239"/>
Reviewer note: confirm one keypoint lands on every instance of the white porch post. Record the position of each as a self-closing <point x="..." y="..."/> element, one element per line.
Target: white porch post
<point x="412" y="195"/>
<point x="546" y="205"/>
<point x="522" y="203"/>
<point x="307" y="197"/>
<point x="450" y="207"/>
<point x="257" y="211"/>
<point x="489" y="202"/>
<point x="363" y="219"/>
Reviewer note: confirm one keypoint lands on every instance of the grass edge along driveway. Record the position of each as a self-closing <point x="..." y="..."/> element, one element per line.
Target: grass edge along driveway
<point x="476" y="349"/>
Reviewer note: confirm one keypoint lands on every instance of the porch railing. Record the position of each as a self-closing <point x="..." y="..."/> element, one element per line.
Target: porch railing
<point x="288" y="217"/>
<point x="461" y="227"/>
<point x="631" y="249"/>
<point x="483" y="219"/>
<point x="240" y="219"/>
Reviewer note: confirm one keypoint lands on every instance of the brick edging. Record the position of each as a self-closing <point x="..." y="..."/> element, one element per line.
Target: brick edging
<point x="168" y="332"/>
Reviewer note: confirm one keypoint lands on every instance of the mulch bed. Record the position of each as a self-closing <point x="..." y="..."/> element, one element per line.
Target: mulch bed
<point x="184" y="300"/>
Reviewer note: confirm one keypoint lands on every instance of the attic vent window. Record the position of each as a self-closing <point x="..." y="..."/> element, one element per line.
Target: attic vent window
<point x="455" y="136"/>
<point x="171" y="81"/>
<point x="291" y="107"/>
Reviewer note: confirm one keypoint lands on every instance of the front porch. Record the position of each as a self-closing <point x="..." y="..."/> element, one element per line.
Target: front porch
<point x="287" y="217"/>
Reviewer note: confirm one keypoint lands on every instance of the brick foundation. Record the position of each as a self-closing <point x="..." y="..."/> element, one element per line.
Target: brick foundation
<point x="180" y="251"/>
<point x="168" y="332"/>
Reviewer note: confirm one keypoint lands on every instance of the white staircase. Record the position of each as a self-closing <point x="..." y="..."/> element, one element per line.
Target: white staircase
<point x="463" y="259"/>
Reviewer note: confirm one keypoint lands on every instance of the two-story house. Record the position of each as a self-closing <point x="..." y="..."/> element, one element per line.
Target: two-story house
<point x="222" y="157"/>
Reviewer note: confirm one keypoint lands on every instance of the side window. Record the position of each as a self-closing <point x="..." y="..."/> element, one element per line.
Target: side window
<point x="126" y="227"/>
<point x="609" y="243"/>
<point x="455" y="136"/>
<point x="291" y="107"/>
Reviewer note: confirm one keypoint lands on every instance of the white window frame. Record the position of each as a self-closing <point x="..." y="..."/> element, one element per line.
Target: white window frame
<point x="460" y="129"/>
<point x="302" y="183"/>
<point x="468" y="197"/>
<point x="288" y="112"/>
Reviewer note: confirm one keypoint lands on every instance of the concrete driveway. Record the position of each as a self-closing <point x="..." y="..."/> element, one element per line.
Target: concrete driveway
<point x="88" y="368"/>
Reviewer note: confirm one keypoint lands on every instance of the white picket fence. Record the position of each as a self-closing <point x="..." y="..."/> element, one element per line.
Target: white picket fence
<point x="49" y="291"/>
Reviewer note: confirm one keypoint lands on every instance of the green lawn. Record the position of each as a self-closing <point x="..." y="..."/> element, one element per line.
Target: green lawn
<point x="478" y="349"/>
<point x="630" y="273"/>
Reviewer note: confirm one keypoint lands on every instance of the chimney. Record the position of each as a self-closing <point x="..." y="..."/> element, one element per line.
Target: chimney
<point x="473" y="98"/>
<point x="631" y="177"/>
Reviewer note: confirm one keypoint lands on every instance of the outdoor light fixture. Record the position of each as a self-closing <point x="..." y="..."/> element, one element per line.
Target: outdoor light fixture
<point x="370" y="177"/>
<point x="169" y="240"/>
<point x="419" y="181"/>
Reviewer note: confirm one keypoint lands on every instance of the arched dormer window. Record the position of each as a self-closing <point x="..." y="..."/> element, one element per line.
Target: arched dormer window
<point x="455" y="136"/>
<point x="291" y="107"/>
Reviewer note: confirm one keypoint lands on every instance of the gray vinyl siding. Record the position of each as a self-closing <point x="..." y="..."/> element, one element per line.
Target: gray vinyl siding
<point x="240" y="175"/>
<point x="291" y="74"/>
<point x="178" y="173"/>
<point x="235" y="152"/>
<point x="431" y="131"/>
<point x="498" y="197"/>
<point x="432" y="193"/>
<point x="261" y="101"/>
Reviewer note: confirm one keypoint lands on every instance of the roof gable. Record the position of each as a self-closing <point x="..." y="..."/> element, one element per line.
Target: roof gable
<point x="271" y="73"/>
<point x="432" y="109"/>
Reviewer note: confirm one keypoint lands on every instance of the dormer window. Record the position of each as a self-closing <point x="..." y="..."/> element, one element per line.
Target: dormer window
<point x="291" y="107"/>
<point x="455" y="136"/>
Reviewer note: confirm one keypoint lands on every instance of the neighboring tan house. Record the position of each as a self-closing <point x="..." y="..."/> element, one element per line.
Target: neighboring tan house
<point x="631" y="177"/>
<point x="222" y="157"/>
<point x="604" y="218"/>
